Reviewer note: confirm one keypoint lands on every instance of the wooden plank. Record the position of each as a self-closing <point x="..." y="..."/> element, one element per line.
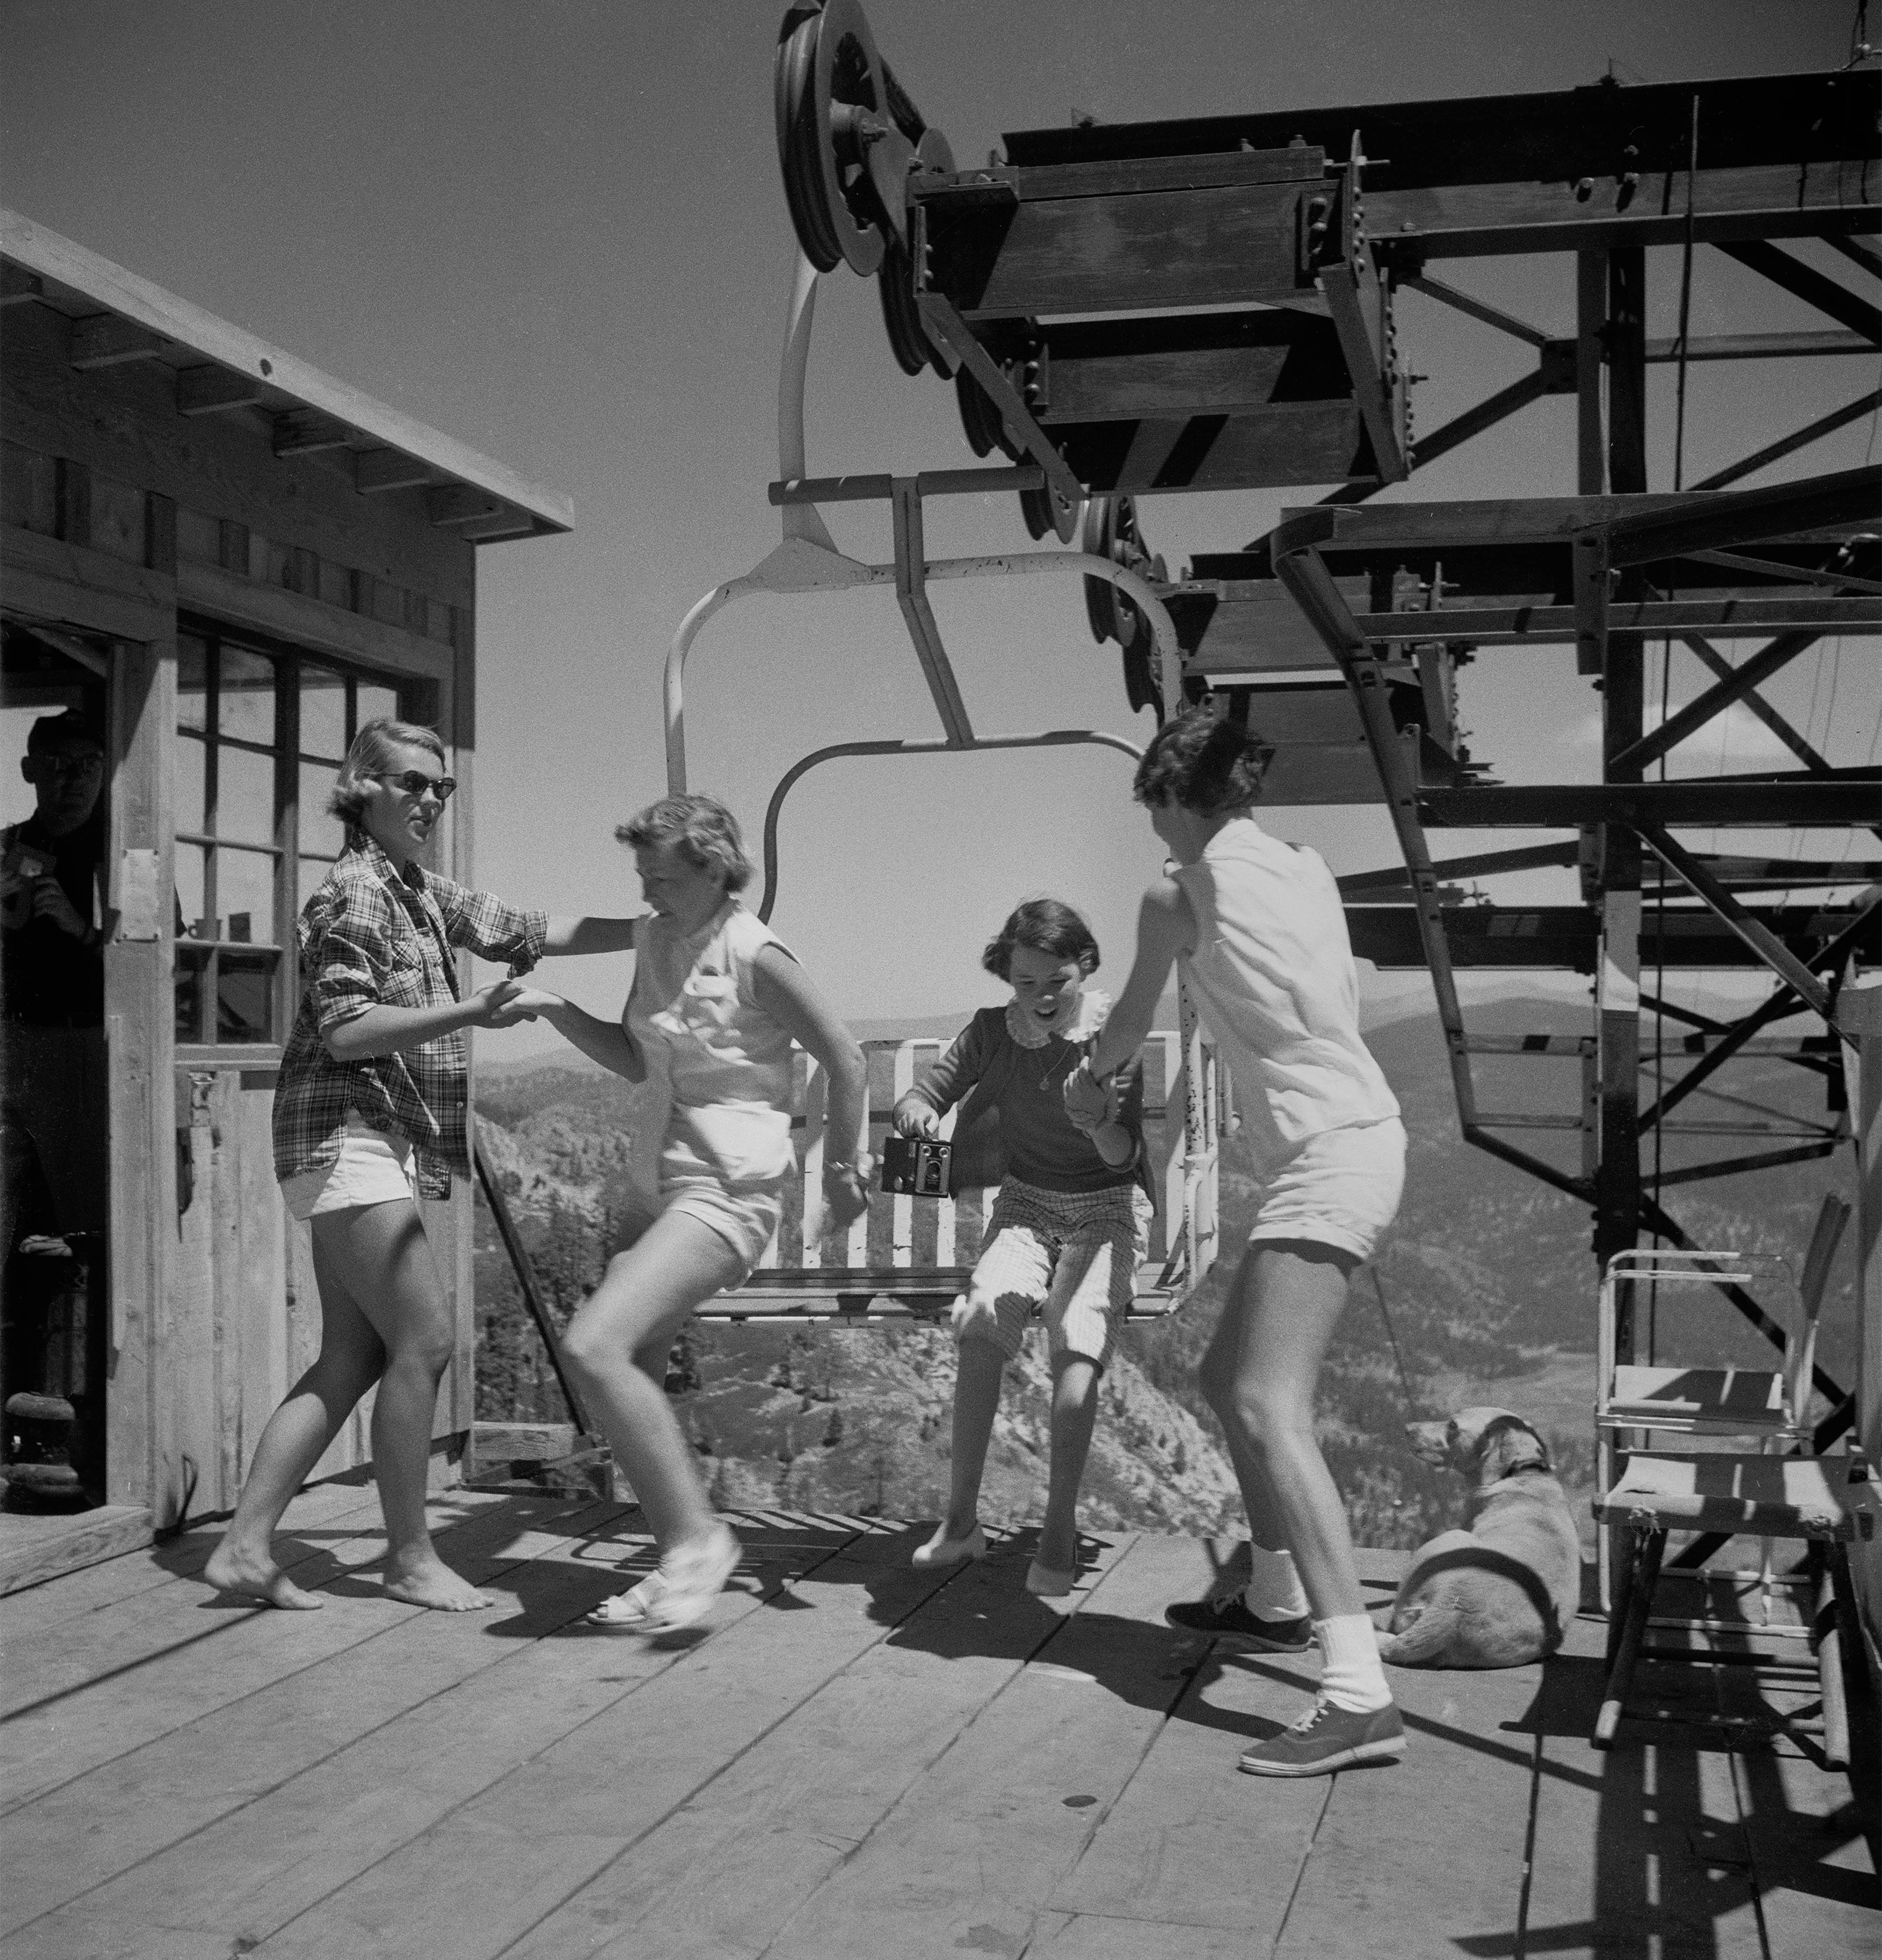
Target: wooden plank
<point x="565" y="1815"/>
<point x="1202" y="247"/>
<point x="1190" y="1843"/>
<point x="64" y="1734"/>
<point x="1281" y="444"/>
<point x="33" y="1550"/>
<point x="123" y="421"/>
<point x="365" y="1671"/>
<point x="138" y="302"/>
<point x="320" y="628"/>
<point x="103" y="340"/>
<point x="1625" y="1840"/>
<point x="980" y="1847"/>
<point x="1427" y="1857"/>
<point x="60" y="580"/>
<point x="101" y="1589"/>
<point x="452" y="503"/>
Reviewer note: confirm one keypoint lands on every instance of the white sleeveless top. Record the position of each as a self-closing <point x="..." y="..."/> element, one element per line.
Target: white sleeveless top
<point x="1273" y="975"/>
<point x="717" y="1107"/>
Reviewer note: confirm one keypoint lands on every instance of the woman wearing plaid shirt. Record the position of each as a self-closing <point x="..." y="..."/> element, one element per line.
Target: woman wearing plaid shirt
<point x="371" y="1113"/>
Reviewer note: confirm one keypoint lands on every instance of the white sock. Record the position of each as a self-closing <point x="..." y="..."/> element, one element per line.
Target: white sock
<point x="1274" y="1592"/>
<point x="1352" y="1677"/>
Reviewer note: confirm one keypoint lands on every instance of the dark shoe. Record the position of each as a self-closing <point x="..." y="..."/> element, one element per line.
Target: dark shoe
<point x="1231" y="1617"/>
<point x="1328" y="1739"/>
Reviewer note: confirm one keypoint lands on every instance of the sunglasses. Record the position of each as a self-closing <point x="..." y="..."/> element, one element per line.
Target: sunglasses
<point x="414" y="782"/>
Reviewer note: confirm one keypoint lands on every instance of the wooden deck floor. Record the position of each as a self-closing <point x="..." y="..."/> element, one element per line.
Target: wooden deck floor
<point x="855" y="1759"/>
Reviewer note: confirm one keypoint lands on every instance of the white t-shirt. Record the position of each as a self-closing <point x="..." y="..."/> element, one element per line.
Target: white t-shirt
<point x="718" y="1102"/>
<point x="1273" y="976"/>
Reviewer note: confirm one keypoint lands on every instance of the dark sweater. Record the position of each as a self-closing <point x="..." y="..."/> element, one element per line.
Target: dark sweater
<point x="1038" y="1142"/>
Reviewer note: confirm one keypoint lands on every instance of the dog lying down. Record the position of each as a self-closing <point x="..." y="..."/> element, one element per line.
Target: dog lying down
<point x="1503" y="1593"/>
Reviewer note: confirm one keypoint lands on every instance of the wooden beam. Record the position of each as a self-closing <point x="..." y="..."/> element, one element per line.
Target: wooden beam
<point x="303" y="431"/>
<point x="57" y="580"/>
<point x="505" y="524"/>
<point x="308" y="622"/>
<point x="207" y="391"/>
<point x="103" y="340"/>
<point x="375" y="469"/>
<point x="16" y="283"/>
<point x="456" y="504"/>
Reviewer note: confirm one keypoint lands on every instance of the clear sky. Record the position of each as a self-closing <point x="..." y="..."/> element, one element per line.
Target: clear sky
<point x="554" y="229"/>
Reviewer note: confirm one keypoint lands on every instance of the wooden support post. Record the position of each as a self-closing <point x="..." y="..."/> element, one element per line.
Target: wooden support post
<point x="1591" y="321"/>
<point x="141" y="1465"/>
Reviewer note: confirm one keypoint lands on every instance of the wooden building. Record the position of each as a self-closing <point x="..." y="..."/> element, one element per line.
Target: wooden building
<point x="233" y="561"/>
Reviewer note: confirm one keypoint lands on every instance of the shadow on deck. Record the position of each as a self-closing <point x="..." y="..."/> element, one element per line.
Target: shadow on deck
<point x="854" y="1759"/>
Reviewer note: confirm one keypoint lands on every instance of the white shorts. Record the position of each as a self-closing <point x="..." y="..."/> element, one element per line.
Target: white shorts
<point x="372" y="1169"/>
<point x="1070" y="1257"/>
<point x="1340" y="1188"/>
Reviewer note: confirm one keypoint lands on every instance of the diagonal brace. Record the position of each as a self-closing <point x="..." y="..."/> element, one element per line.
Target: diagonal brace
<point x="1807" y="284"/>
<point x="1755" y="933"/>
<point x="1774" y="654"/>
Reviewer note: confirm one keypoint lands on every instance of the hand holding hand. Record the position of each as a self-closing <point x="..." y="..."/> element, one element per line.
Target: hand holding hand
<point x="972" y="1315"/>
<point x="500" y="1004"/>
<point x="1090" y="1104"/>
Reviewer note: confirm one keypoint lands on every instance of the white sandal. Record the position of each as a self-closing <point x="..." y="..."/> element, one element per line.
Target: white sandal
<point x="631" y="1611"/>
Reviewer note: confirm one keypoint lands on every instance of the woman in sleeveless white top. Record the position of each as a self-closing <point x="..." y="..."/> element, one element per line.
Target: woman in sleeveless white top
<point x="717" y="1002"/>
<point x="1257" y="925"/>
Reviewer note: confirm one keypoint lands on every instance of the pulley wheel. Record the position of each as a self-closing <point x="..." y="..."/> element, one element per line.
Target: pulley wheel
<point x="979" y="422"/>
<point x="1046" y="513"/>
<point x="1110" y="531"/>
<point x="827" y="74"/>
<point x="901" y="317"/>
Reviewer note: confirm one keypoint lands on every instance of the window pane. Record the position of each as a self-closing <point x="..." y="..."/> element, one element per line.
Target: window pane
<point x="244" y="1005"/>
<point x="319" y="832"/>
<point x="192" y="761"/>
<point x="190" y="886"/>
<point x="190" y="962"/>
<point x="313" y="871"/>
<point x="192" y="682"/>
<point x="246" y="706"/>
<point x="245" y="796"/>
<point x="322" y="711"/>
<point x="245" y="896"/>
<point x="376" y="703"/>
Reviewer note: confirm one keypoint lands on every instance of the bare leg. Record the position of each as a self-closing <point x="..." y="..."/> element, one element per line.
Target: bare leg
<point x="1259" y="1376"/>
<point x="351" y="1358"/>
<point x="979" y="1366"/>
<point x="1074" y="1411"/>
<point x="380" y="1254"/>
<point x="617" y="1344"/>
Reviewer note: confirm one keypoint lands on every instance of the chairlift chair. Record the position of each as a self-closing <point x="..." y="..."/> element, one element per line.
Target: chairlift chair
<point x="1779" y="1488"/>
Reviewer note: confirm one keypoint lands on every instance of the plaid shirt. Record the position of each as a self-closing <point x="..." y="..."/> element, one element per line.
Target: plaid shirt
<point x="369" y="937"/>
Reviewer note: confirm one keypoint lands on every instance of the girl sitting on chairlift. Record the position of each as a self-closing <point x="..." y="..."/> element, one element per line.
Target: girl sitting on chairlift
<point x="1069" y="1225"/>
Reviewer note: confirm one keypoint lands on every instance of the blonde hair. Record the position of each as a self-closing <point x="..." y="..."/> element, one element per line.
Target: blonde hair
<point x="704" y="831"/>
<point x="370" y="755"/>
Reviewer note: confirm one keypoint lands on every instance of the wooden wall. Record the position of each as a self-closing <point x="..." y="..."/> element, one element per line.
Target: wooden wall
<point x="117" y="510"/>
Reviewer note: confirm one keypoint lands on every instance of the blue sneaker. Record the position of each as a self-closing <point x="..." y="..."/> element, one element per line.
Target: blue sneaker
<point x="1327" y="1739"/>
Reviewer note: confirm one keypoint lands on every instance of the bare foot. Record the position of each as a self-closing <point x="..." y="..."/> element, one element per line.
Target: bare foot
<point x="431" y="1583"/>
<point x="249" y="1576"/>
<point x="1059" y="1551"/>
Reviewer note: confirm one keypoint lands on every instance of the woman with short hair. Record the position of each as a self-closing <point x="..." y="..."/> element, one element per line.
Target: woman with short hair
<point x="717" y="1001"/>
<point x="1258" y="926"/>
<point x="372" y="1111"/>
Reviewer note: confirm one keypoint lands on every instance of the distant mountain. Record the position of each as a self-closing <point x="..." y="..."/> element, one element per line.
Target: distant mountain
<point x="1484" y="1281"/>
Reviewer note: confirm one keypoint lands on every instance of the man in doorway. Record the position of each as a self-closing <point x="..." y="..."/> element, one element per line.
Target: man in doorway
<point x="52" y="1090"/>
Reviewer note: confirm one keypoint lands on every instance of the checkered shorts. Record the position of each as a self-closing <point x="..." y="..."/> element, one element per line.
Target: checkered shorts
<point x="1069" y="1256"/>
